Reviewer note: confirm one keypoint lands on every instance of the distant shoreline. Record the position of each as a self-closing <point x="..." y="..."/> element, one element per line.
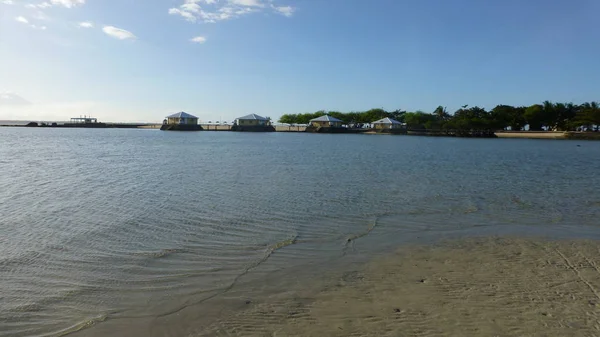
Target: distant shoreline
<point x="549" y="135"/>
<point x="557" y="135"/>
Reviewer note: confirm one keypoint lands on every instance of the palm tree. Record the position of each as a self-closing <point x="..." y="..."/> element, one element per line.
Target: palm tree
<point x="441" y="113"/>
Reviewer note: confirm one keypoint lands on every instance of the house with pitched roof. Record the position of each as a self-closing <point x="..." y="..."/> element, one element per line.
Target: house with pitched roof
<point x="253" y="123"/>
<point x="181" y="118"/>
<point x="387" y="123"/>
<point x="181" y="121"/>
<point x="252" y="120"/>
<point x="326" y="121"/>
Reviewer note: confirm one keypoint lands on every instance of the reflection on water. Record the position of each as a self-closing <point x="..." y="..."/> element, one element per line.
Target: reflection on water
<point x="103" y="224"/>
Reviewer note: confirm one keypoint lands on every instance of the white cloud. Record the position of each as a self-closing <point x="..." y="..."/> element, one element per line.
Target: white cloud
<point x="118" y="33"/>
<point x="25" y="21"/>
<point x="189" y="16"/>
<point x="191" y="7"/>
<point x="40" y="5"/>
<point x="285" y="10"/>
<point x="86" y="24"/>
<point x="210" y="11"/>
<point x="8" y="2"/>
<point x="11" y="98"/>
<point x="39" y="15"/>
<point x="21" y="19"/>
<point x="67" y="3"/>
<point x="63" y="3"/>
<point x="248" y="3"/>
<point x="198" y="39"/>
<point x="38" y="27"/>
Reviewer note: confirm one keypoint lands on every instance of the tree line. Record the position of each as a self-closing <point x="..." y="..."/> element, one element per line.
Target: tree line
<point x="537" y="117"/>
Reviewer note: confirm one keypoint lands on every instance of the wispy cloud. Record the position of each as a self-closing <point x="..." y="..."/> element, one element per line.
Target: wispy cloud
<point x="61" y="3"/>
<point x="41" y="5"/>
<point x="24" y="20"/>
<point x="284" y="10"/>
<point x="21" y="19"/>
<point x="67" y="3"/>
<point x="118" y="33"/>
<point x="211" y="11"/>
<point x="189" y="16"/>
<point x="11" y="98"/>
<point x="39" y="15"/>
<point x="8" y="2"/>
<point x="198" y="39"/>
<point x="86" y="24"/>
<point x="249" y="3"/>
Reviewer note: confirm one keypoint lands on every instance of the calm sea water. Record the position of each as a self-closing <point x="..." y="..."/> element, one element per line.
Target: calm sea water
<point x="100" y="225"/>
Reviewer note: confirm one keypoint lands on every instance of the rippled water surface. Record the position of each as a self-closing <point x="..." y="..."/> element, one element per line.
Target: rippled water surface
<point x="103" y="224"/>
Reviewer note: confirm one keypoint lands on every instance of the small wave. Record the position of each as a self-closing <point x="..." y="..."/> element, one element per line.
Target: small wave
<point x="29" y="307"/>
<point x="25" y="259"/>
<point x="81" y="325"/>
<point x="159" y="254"/>
<point x="353" y="237"/>
<point x="45" y="302"/>
<point x="268" y="252"/>
<point x="284" y="243"/>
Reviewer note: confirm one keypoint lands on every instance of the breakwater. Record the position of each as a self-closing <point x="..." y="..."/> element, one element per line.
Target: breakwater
<point x="84" y="125"/>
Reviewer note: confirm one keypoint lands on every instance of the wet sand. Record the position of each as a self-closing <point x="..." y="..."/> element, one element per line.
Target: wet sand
<point x="471" y="287"/>
<point x="475" y="287"/>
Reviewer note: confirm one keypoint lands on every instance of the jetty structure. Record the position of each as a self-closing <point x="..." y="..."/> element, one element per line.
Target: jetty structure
<point x="181" y="121"/>
<point x="389" y="125"/>
<point x="252" y="123"/>
<point x="75" y="122"/>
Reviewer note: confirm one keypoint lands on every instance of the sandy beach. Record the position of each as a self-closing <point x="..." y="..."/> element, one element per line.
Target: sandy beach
<point x="532" y="134"/>
<point x="477" y="287"/>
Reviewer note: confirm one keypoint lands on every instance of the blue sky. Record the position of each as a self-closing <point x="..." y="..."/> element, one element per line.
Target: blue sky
<point x="134" y="60"/>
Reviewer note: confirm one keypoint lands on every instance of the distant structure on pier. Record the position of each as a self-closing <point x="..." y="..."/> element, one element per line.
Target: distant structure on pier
<point x="387" y="123"/>
<point x="253" y="122"/>
<point x="83" y="120"/>
<point x="181" y="121"/>
<point x="326" y="121"/>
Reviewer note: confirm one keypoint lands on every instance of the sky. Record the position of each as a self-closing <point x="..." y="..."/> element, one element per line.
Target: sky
<point x="140" y="60"/>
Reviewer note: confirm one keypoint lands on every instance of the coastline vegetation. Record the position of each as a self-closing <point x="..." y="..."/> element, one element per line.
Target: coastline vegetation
<point x="547" y="116"/>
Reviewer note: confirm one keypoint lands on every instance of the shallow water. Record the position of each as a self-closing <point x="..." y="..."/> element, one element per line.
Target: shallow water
<point x="135" y="224"/>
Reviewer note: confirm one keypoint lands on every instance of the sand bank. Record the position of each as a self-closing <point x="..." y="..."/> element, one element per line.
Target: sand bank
<point x="532" y="134"/>
<point x="478" y="287"/>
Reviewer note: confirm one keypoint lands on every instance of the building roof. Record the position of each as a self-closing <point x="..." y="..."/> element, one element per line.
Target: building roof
<point x="253" y="117"/>
<point x="325" y="118"/>
<point x="182" y="115"/>
<point x="386" y="120"/>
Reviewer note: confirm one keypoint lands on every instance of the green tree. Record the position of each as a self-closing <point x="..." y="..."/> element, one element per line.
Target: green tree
<point x="419" y="120"/>
<point x="288" y="118"/>
<point x="441" y="114"/>
<point x="398" y="115"/>
<point x="474" y="118"/>
<point x="503" y="116"/>
<point x="534" y="116"/>
<point x="588" y="116"/>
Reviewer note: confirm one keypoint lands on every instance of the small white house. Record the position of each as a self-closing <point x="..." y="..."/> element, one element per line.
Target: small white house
<point x="326" y="121"/>
<point x="252" y="120"/>
<point x="387" y="123"/>
<point x="181" y="118"/>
